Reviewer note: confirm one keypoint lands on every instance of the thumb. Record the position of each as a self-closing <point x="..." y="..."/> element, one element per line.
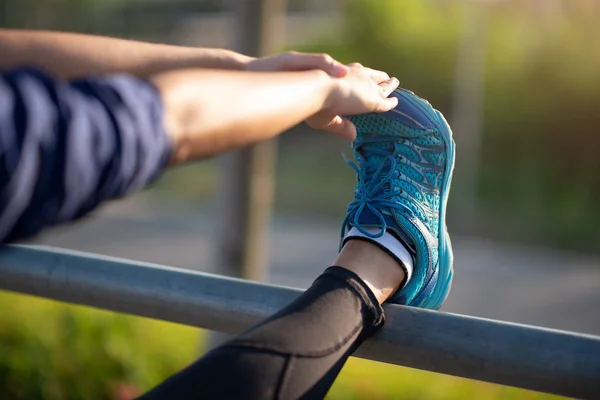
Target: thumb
<point x="341" y="127"/>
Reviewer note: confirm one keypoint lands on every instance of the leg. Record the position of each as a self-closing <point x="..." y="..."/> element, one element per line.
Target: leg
<point x="404" y="161"/>
<point x="298" y="352"/>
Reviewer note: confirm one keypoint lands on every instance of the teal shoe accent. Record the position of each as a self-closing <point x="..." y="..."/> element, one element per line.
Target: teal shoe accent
<point x="404" y="160"/>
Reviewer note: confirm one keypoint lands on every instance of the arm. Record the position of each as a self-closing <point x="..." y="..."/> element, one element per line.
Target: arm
<point x="65" y="147"/>
<point x="70" y="55"/>
<point x="208" y="112"/>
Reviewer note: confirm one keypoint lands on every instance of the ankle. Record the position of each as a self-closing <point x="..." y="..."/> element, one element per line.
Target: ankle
<point x="380" y="271"/>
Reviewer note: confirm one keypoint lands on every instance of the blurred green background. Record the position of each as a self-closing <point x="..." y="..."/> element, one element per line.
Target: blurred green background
<point x="70" y="353"/>
<point x="530" y="172"/>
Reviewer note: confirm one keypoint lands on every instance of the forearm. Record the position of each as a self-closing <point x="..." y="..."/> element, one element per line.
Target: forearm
<point x="69" y="55"/>
<point x="208" y="112"/>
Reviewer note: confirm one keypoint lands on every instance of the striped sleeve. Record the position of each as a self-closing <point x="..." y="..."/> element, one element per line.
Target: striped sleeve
<point x="66" y="147"/>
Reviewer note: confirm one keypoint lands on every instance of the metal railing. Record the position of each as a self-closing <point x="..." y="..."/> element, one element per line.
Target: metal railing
<point x="534" y="358"/>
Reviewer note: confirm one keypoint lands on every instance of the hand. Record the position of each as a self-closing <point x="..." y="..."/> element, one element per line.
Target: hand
<point x="294" y="61"/>
<point x="327" y="120"/>
<point x="362" y="90"/>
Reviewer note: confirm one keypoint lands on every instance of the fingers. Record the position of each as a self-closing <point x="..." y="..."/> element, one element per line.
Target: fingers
<point x="375" y="75"/>
<point x="294" y="61"/>
<point x="337" y="125"/>
<point x="388" y="86"/>
<point x="388" y="104"/>
<point x="341" y="127"/>
<point x="364" y="90"/>
<point x="378" y="76"/>
<point x="300" y="61"/>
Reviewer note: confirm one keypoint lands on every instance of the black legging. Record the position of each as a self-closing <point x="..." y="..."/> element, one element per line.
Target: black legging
<point x="295" y="354"/>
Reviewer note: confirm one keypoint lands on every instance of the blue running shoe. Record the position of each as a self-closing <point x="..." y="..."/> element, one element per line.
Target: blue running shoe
<point x="404" y="160"/>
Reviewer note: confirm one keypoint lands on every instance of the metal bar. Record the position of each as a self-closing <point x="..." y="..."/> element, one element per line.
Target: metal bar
<point x="534" y="358"/>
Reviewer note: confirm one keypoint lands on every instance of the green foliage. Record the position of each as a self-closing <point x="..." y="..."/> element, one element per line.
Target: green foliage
<point x="539" y="166"/>
<point x="540" y="145"/>
<point x="363" y="379"/>
<point x="54" y="351"/>
<point x="413" y="40"/>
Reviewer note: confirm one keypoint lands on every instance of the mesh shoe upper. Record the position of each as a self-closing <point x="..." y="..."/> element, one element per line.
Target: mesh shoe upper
<point x="403" y="171"/>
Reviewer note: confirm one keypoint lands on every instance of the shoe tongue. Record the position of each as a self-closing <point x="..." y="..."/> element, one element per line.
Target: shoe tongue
<point x="376" y="160"/>
<point x="368" y="219"/>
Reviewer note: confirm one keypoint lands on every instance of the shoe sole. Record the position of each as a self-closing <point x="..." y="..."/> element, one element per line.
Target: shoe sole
<point x="445" y="270"/>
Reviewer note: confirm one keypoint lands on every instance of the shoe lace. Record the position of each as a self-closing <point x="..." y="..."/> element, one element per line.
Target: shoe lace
<point x="374" y="191"/>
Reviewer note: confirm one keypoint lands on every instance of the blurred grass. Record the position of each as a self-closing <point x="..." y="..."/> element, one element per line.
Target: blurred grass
<point x="53" y="351"/>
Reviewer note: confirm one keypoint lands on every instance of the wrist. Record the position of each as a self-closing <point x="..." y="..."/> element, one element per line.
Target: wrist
<point x="331" y="90"/>
<point x="334" y="89"/>
<point x="232" y="60"/>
